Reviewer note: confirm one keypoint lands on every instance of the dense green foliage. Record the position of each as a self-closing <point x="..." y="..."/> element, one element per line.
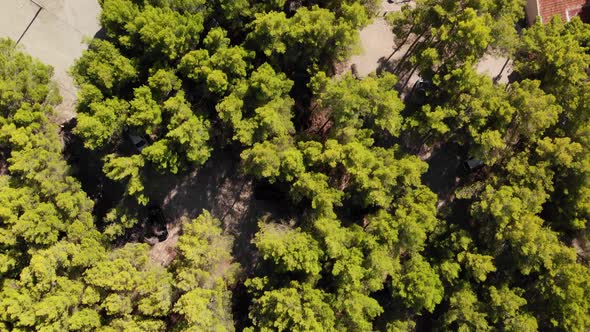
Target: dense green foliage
<point x="367" y="245"/>
<point x="58" y="272"/>
<point x="175" y="71"/>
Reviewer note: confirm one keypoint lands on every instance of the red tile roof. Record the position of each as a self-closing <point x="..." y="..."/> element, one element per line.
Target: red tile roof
<point x="564" y="8"/>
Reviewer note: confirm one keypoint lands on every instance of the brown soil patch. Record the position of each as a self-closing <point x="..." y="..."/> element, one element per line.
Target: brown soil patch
<point x="164" y="252"/>
<point x="221" y="188"/>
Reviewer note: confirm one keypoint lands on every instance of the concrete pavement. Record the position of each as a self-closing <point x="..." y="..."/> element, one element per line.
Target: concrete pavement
<point x="497" y="67"/>
<point x="15" y="16"/>
<point x="53" y="31"/>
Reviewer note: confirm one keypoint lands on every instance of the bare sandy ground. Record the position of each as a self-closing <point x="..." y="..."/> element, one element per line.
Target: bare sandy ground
<point x="377" y="44"/>
<point x="499" y="68"/>
<point x="376" y="41"/>
<point x="53" y="31"/>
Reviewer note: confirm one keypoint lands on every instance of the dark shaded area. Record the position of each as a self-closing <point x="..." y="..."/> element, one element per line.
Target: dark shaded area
<point x="156" y="225"/>
<point x="4" y="154"/>
<point x="393" y="308"/>
<point x="444" y="167"/>
<point x="86" y="166"/>
<point x="151" y="226"/>
<point x="100" y="34"/>
<point x="241" y="300"/>
<point x="397" y="68"/>
<point x="265" y="191"/>
<point x="583" y="12"/>
<point x="231" y="196"/>
<point x="218" y="186"/>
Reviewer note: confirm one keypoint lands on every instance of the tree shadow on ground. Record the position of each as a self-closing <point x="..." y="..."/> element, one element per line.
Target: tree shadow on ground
<point x="218" y="186"/>
<point x="231" y="196"/>
<point x="100" y="34"/>
<point x="86" y="166"/>
<point x="4" y="155"/>
<point x="400" y="67"/>
<point x="221" y="188"/>
<point x="444" y="167"/>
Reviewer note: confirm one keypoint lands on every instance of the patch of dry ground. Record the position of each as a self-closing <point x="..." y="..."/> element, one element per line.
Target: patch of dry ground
<point x="378" y="46"/>
<point x="222" y="189"/>
<point x="164" y="252"/>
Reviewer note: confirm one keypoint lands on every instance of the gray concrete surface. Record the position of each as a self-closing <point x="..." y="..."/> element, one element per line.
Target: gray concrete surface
<point x="55" y="33"/>
<point x="15" y="16"/>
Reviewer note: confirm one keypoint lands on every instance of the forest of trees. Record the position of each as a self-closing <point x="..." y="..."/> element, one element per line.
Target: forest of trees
<point x="367" y="248"/>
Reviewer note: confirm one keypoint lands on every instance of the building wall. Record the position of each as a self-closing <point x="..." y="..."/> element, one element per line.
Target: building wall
<point x="582" y="12"/>
<point x="532" y="11"/>
<point x="549" y="8"/>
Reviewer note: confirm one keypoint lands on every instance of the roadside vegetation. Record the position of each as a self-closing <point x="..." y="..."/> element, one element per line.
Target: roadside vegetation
<point x="366" y="244"/>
